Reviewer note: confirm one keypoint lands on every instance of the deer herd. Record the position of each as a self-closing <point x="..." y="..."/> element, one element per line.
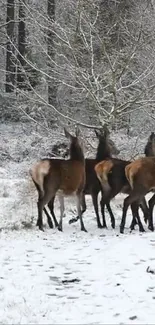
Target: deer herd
<point x="104" y="174"/>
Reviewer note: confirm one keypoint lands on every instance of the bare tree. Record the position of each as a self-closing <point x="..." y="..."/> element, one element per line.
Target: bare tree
<point x="10" y="66"/>
<point x="21" y="44"/>
<point x="52" y="88"/>
<point x="95" y="59"/>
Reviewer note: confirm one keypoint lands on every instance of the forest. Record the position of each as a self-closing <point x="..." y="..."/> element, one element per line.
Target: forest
<point x="77" y="147"/>
<point x="84" y="61"/>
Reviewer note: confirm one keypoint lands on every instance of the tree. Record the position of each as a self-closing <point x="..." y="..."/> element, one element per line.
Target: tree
<point x="93" y="57"/>
<point x="10" y="52"/>
<point x="21" y="45"/>
<point x="52" y="89"/>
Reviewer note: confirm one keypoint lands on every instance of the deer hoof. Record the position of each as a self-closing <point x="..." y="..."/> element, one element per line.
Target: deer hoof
<point x="60" y="228"/>
<point x="150" y="227"/>
<point x="100" y="226"/>
<point x="84" y="229"/>
<point x="113" y="225"/>
<point x="141" y="230"/>
<point x="41" y="228"/>
<point x="72" y="220"/>
<point x="56" y="225"/>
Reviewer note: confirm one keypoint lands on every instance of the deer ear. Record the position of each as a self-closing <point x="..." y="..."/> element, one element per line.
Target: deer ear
<point x="67" y="134"/>
<point x="77" y="131"/>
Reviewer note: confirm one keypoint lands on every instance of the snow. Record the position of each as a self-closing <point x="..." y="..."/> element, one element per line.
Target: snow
<point x="111" y="283"/>
<point x="106" y="272"/>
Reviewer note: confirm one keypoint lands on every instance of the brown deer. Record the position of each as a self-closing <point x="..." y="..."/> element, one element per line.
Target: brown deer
<point x="141" y="177"/>
<point x="111" y="174"/>
<point x="106" y="148"/>
<point x="62" y="177"/>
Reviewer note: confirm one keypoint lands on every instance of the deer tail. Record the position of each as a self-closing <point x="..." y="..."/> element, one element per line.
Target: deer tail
<point x="38" y="173"/>
<point x="102" y="170"/>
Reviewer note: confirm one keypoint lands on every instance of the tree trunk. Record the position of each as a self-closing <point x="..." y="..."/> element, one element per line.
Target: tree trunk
<point x="10" y="64"/>
<point x="52" y="89"/>
<point x="21" y="45"/>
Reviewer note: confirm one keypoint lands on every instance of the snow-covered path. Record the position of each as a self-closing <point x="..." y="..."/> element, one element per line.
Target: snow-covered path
<point x="111" y="287"/>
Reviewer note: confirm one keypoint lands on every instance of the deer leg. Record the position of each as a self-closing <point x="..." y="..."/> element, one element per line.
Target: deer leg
<point x="79" y="211"/>
<point x="37" y="223"/>
<point x="111" y="215"/>
<point x="133" y="223"/>
<point x="95" y="203"/>
<point x="51" y="207"/>
<point x="134" y="220"/>
<point x="40" y="210"/>
<point x="127" y="201"/>
<point x="134" y="208"/>
<point x="73" y="220"/>
<point x="39" y="206"/>
<point x="102" y="205"/>
<point x="135" y="195"/>
<point x="83" y="203"/>
<point x="151" y="206"/>
<point x="125" y="208"/>
<point x="84" y="207"/>
<point x="49" y="220"/>
<point x="144" y="208"/>
<point x="105" y="200"/>
<point x="42" y="201"/>
<point x="62" y="209"/>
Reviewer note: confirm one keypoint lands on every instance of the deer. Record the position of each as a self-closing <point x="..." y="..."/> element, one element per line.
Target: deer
<point x="111" y="174"/>
<point x="141" y="177"/>
<point x="62" y="177"/>
<point x="106" y="148"/>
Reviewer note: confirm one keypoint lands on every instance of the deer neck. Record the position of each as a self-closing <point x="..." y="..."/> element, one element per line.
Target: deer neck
<point x="76" y="153"/>
<point x="103" y="152"/>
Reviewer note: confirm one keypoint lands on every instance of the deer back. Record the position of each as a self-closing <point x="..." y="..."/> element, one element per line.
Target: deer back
<point x="141" y="173"/>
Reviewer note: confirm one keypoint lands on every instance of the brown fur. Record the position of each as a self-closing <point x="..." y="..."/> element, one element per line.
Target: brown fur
<point x="102" y="170"/>
<point x="113" y="171"/>
<point x="141" y="176"/>
<point x="63" y="172"/>
<point x="142" y="172"/>
<point x="39" y="171"/>
<point x="105" y="149"/>
<point x="62" y="177"/>
<point x="114" y="175"/>
<point x="69" y="175"/>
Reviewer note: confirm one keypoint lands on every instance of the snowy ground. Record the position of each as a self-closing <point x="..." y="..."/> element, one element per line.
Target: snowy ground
<point x="113" y="286"/>
<point x="111" y="283"/>
<point x="72" y="277"/>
